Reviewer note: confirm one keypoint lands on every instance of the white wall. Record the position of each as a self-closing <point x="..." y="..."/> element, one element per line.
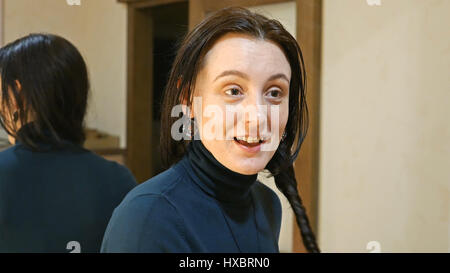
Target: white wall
<point x="98" y="29"/>
<point x="107" y="61"/>
<point x="385" y="126"/>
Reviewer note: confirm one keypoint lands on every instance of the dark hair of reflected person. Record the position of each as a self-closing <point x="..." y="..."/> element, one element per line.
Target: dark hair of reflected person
<point x="44" y="88"/>
<point x="181" y="82"/>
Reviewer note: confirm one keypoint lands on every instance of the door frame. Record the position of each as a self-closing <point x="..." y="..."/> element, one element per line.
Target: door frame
<point x="139" y="89"/>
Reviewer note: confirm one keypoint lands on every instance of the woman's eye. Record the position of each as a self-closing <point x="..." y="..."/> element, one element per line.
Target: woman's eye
<point x="274" y="93"/>
<point x="233" y="92"/>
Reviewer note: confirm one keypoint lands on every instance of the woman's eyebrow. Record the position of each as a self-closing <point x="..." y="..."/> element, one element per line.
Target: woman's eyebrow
<point x="278" y="76"/>
<point x="232" y="72"/>
<point x="245" y="76"/>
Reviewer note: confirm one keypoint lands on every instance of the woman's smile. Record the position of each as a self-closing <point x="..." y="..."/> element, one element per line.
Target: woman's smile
<point x="249" y="145"/>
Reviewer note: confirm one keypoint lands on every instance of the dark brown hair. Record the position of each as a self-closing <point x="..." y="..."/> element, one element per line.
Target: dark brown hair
<point x="186" y="66"/>
<point x="52" y="100"/>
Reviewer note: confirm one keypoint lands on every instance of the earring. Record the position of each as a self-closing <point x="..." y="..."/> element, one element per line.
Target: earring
<point x="184" y="131"/>
<point x="189" y="129"/>
<point x="283" y="136"/>
<point x="189" y="132"/>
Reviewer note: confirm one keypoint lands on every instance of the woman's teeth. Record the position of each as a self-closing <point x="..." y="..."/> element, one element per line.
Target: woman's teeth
<point x="250" y="140"/>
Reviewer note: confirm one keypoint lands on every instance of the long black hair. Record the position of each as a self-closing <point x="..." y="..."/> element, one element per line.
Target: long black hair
<point x="188" y="62"/>
<point x="45" y="89"/>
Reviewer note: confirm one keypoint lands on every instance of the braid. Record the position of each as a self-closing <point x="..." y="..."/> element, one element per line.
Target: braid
<point x="287" y="184"/>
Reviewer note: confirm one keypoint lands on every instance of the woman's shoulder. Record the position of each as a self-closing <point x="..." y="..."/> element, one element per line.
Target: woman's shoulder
<point x="147" y="220"/>
<point x="139" y="208"/>
<point x="8" y="158"/>
<point x="160" y="185"/>
<point x="103" y="165"/>
<point x="80" y="165"/>
<point x="11" y="162"/>
<point x="72" y="157"/>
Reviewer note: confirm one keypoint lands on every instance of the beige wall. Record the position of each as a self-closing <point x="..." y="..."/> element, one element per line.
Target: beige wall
<point x="98" y="30"/>
<point x="385" y="127"/>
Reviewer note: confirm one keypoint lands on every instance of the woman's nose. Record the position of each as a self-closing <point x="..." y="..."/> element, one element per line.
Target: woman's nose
<point x="256" y="119"/>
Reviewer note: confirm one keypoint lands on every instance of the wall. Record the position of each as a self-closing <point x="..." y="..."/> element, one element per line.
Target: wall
<point x="385" y="134"/>
<point x="98" y="30"/>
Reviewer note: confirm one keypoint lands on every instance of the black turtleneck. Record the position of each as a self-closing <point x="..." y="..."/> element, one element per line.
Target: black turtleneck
<point x="197" y="205"/>
<point x="215" y="179"/>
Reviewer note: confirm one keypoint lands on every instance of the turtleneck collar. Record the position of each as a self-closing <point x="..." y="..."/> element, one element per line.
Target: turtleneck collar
<point x="214" y="178"/>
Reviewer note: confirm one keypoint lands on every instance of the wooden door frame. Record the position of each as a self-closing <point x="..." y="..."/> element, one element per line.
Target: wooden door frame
<point x="140" y="4"/>
<point x="198" y="9"/>
<point x="139" y="89"/>
<point x="139" y="85"/>
<point x="309" y="37"/>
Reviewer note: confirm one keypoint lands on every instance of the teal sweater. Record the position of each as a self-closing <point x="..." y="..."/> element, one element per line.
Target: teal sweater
<point x="59" y="200"/>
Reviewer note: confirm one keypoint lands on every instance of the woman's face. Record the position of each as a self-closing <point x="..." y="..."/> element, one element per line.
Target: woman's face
<point x="247" y="73"/>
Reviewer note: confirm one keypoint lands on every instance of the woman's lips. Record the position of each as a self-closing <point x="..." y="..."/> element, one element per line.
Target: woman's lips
<point x="248" y="147"/>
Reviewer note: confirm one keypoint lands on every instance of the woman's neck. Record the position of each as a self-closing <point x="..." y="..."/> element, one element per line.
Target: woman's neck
<point x="216" y="179"/>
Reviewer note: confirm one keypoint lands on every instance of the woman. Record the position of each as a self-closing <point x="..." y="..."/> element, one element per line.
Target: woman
<point x="55" y="196"/>
<point x="209" y="199"/>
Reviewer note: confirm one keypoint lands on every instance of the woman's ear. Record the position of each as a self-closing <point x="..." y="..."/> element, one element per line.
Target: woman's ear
<point x="14" y="108"/>
<point x="11" y="114"/>
<point x="18" y="85"/>
<point x="184" y="100"/>
<point x="187" y="111"/>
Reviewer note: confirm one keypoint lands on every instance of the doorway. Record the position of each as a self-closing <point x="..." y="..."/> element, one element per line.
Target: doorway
<point x="170" y="24"/>
<point x="154" y="30"/>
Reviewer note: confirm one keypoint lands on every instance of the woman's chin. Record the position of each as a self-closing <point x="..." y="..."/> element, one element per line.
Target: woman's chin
<point x="247" y="171"/>
<point x="248" y="166"/>
<point x="239" y="160"/>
